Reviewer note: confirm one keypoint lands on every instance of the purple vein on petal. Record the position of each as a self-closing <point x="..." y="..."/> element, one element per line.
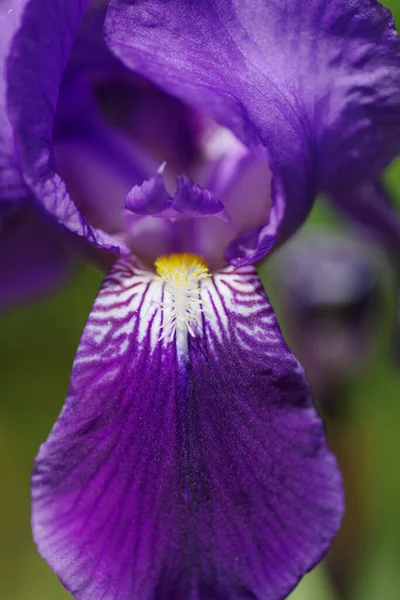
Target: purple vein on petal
<point x="174" y="474"/>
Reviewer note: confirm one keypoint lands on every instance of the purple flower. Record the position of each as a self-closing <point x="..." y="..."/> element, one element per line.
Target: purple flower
<point x="33" y="260"/>
<point x="188" y="461"/>
<point x="314" y="82"/>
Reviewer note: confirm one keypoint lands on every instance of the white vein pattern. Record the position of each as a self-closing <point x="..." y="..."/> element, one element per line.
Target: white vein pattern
<point x="236" y="306"/>
<point x="170" y="480"/>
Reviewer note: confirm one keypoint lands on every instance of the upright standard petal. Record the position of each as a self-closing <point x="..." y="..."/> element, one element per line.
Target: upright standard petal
<point x="188" y="462"/>
<point x="314" y="81"/>
<point x="38" y="55"/>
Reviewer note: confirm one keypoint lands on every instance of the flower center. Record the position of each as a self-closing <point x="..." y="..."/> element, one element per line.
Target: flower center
<point x="182" y="274"/>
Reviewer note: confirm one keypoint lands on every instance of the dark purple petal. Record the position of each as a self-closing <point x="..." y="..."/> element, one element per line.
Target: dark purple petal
<point x="33" y="261"/>
<point x="184" y="467"/>
<point x="149" y="198"/>
<point x="158" y="122"/>
<point x="38" y="56"/>
<point x="191" y="200"/>
<point x="314" y="81"/>
<point x="177" y="229"/>
<point x="98" y="163"/>
<point x="168" y="129"/>
<point x="369" y="205"/>
<point x="89" y="54"/>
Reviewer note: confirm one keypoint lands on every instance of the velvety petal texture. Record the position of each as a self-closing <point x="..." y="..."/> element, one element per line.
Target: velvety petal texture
<point x="36" y="63"/>
<point x="314" y="81"/>
<point x="186" y="463"/>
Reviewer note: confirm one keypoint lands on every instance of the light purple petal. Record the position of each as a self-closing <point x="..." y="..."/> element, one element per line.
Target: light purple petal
<point x="151" y="237"/>
<point x="242" y="180"/>
<point x="97" y="185"/>
<point x="12" y="186"/>
<point x="38" y="56"/>
<point x="314" y="81"/>
<point x="33" y="262"/>
<point x="184" y="467"/>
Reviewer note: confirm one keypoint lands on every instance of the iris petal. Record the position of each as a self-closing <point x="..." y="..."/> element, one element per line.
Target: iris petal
<point x="32" y="261"/>
<point x="37" y="59"/>
<point x="314" y="81"/>
<point x="12" y="186"/>
<point x="184" y="469"/>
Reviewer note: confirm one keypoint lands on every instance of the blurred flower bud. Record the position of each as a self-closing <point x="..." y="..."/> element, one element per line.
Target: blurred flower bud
<point x="329" y="287"/>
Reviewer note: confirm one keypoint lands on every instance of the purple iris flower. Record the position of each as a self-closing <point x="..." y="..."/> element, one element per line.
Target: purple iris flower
<point x="188" y="460"/>
<point x="33" y="260"/>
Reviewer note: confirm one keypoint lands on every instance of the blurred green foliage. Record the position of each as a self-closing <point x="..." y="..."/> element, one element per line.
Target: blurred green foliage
<point x="37" y="347"/>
